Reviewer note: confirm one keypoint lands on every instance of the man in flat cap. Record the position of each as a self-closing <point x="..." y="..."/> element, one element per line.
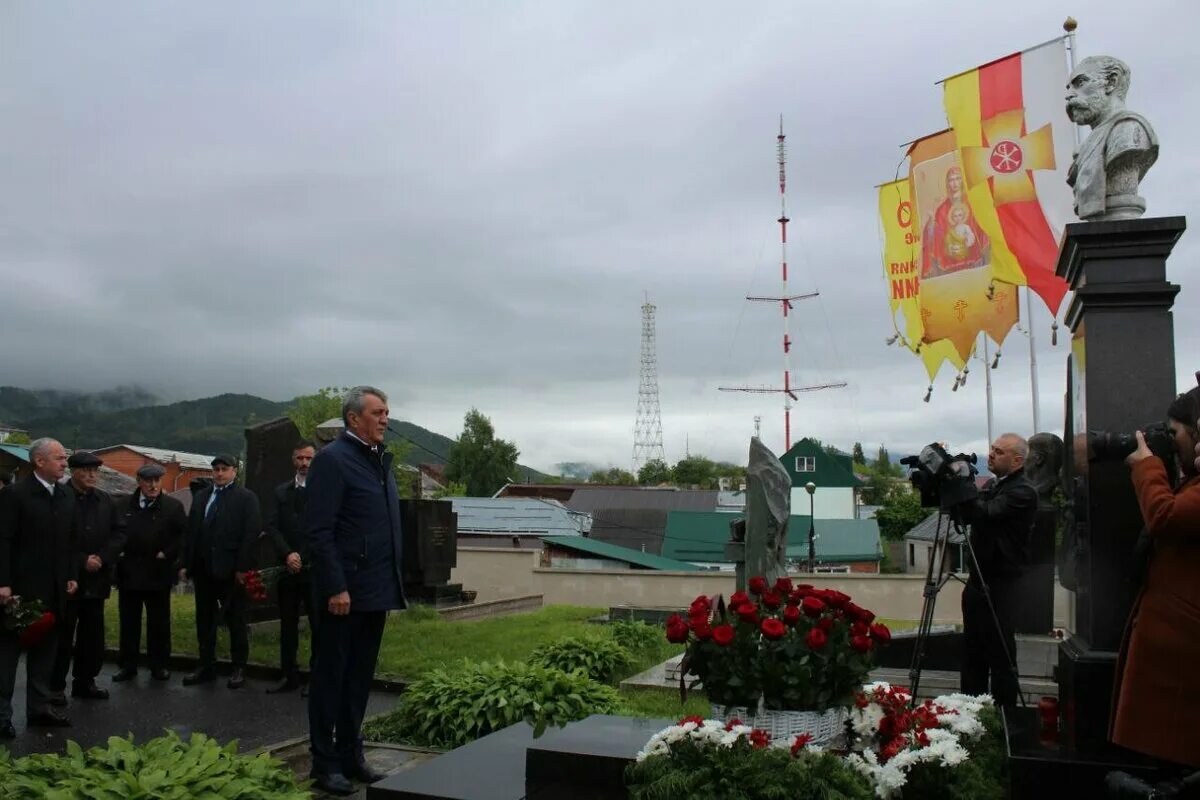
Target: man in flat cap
<point x="98" y="538"/>
<point x="223" y="526"/>
<point x="155" y="529"/>
<point x="36" y="563"/>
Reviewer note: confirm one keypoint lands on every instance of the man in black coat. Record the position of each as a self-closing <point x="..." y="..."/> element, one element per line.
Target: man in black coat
<point x="222" y="528"/>
<point x="155" y="528"/>
<point x="36" y="563"/>
<point x="285" y="529"/>
<point x="353" y="524"/>
<point x="99" y="537"/>
<point x="1001" y="526"/>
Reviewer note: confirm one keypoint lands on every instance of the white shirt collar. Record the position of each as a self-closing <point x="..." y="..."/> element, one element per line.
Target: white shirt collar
<point x="298" y="481"/>
<point x="355" y="437"/>
<point x="49" y="486"/>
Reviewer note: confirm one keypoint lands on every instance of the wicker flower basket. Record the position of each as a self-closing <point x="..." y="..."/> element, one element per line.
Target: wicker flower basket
<point x="822" y="726"/>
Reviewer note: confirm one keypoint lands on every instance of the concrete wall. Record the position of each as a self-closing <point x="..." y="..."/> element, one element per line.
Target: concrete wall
<point x="499" y="573"/>
<point x="828" y="502"/>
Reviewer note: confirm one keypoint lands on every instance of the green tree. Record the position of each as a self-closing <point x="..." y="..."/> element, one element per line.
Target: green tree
<point x="478" y="459"/>
<point x="310" y="410"/>
<point x="878" y="490"/>
<point x="18" y="437"/>
<point x="695" y="471"/>
<point x="654" y="472"/>
<point x="408" y="479"/>
<point x="613" y="477"/>
<point x="899" y="514"/>
<point x="883" y="464"/>
<point x="857" y="454"/>
<point x="451" y="489"/>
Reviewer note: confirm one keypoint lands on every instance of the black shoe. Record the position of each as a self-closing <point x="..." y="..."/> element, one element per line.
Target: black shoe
<point x="334" y="783"/>
<point x="288" y="684"/>
<point x="59" y="698"/>
<point x="48" y="719"/>
<point x="202" y="675"/>
<point x="364" y="773"/>
<point x="236" y="679"/>
<point x="124" y="674"/>
<point x="7" y="731"/>
<point x="89" y="691"/>
<point x="159" y="674"/>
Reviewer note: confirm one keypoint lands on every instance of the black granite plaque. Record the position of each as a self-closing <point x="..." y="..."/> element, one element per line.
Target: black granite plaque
<point x="587" y="758"/>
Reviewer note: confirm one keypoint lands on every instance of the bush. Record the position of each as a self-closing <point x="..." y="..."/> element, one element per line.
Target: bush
<point x="166" y="768"/>
<point x="635" y="636"/>
<point x="601" y="659"/>
<point x="449" y="708"/>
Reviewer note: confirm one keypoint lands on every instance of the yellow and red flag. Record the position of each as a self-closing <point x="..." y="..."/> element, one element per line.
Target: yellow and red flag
<point x="961" y="293"/>
<point x="901" y="270"/>
<point x="1015" y="144"/>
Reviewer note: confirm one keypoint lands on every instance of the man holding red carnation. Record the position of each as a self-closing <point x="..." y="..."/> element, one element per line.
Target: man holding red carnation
<point x="36" y="563"/>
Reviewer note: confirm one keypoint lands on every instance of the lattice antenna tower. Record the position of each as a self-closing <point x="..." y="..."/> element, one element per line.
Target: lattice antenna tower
<point x="785" y="301"/>
<point x="647" y="429"/>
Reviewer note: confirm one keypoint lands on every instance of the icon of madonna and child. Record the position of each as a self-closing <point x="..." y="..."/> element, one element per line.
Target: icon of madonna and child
<point x="958" y="296"/>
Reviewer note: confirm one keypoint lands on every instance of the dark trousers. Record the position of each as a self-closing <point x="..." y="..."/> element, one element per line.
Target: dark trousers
<point x="294" y="592"/>
<point x="341" y="683"/>
<point x="987" y="650"/>
<point x="39" y="666"/>
<point x="80" y="638"/>
<point x="157" y="603"/>
<point x="220" y="601"/>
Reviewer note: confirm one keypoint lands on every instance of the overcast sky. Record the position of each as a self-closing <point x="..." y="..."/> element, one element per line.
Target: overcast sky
<point x="465" y="204"/>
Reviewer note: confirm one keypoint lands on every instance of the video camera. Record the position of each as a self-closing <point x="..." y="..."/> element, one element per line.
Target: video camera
<point x="944" y="481"/>
<point x="1106" y="446"/>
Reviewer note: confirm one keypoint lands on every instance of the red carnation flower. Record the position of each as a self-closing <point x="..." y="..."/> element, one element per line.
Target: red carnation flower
<point x="812" y="606"/>
<point x="723" y="635"/>
<point x="757" y="584"/>
<point x="816" y="639"/>
<point x="738" y="598"/>
<point x="826" y="623"/>
<point x="773" y="629"/>
<point x="800" y="742"/>
<point x="861" y="700"/>
<point x="880" y="633"/>
<point x="860" y="643"/>
<point x="783" y="585"/>
<point x="760" y="739"/>
<point x="697" y="720"/>
<point x="791" y="615"/>
<point x="732" y="724"/>
<point x="771" y="599"/>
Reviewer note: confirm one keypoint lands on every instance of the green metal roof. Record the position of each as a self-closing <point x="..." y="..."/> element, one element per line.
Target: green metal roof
<point x="832" y="471"/>
<point x="18" y="450"/>
<point x="617" y="553"/>
<point x="700" y="536"/>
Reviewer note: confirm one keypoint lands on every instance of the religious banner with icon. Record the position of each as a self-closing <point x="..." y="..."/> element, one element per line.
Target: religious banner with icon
<point x="901" y="251"/>
<point x="961" y="294"/>
<point x="1014" y="144"/>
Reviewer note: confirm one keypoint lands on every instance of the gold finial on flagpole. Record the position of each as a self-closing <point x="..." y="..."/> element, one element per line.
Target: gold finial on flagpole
<point x="1069" y="25"/>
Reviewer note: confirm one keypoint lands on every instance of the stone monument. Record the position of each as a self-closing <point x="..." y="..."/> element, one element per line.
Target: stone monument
<point x="768" y="506"/>
<point x="1112" y="161"/>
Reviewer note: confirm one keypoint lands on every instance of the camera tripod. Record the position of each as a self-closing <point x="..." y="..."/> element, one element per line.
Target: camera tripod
<point x="934" y="581"/>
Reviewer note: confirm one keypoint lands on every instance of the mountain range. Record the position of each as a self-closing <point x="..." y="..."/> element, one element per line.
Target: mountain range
<point x="132" y="415"/>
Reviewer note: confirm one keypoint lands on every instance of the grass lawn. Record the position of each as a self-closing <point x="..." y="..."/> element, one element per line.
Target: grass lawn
<point x="417" y="641"/>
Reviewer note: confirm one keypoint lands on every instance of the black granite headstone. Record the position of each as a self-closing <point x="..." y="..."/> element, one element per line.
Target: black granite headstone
<point x="268" y="463"/>
<point x="430" y="533"/>
<point x="1123" y="377"/>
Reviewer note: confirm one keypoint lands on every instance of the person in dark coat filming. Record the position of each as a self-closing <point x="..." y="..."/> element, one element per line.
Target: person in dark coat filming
<point x="353" y="525"/>
<point x="155" y="528"/>
<point x="37" y="562"/>
<point x="222" y="529"/>
<point x="99" y="537"/>
<point x="285" y="529"/>
<point x="1001" y="525"/>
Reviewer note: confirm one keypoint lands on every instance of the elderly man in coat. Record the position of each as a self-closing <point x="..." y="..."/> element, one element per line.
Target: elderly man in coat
<point x="36" y="563"/>
<point x="353" y="524"/>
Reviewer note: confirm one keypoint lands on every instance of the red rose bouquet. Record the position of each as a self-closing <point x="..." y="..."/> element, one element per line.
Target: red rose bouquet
<point x="262" y="583"/>
<point x="792" y="646"/>
<point x="29" y="619"/>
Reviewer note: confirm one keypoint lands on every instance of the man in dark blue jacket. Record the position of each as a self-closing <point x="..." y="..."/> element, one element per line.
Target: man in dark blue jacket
<point x="353" y="524"/>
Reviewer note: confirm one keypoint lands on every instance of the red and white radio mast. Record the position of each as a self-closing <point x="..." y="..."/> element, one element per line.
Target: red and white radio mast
<point x="785" y="301"/>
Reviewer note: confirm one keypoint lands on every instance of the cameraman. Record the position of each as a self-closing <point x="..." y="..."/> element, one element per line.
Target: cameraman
<point x="1158" y="711"/>
<point x="1001" y="522"/>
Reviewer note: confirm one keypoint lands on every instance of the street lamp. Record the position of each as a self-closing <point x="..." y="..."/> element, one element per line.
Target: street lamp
<point x="811" y="488"/>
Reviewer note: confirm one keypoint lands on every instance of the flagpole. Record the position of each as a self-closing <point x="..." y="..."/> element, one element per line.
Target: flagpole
<point x="987" y="382"/>
<point x="1033" y="368"/>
